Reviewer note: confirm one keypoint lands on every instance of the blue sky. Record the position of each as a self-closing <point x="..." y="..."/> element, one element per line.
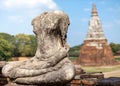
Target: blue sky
<point x="16" y="16"/>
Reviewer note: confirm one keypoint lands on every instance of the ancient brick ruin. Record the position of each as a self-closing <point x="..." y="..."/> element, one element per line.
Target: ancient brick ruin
<point x="95" y="50"/>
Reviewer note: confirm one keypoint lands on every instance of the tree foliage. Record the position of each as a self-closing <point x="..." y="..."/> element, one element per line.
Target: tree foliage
<point x="18" y="45"/>
<point x="115" y="47"/>
<point x="75" y="51"/>
<point x="25" y="45"/>
<point x="5" y="49"/>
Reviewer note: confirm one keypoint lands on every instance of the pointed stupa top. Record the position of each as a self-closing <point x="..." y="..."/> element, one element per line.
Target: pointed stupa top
<point x="95" y="31"/>
<point x="94" y="10"/>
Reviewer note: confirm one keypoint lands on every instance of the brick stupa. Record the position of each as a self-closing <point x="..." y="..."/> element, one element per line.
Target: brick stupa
<point x="95" y="50"/>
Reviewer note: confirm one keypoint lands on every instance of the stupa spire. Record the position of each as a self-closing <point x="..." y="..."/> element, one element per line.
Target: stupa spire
<point x="94" y="10"/>
<point x="95" y="31"/>
<point x="95" y="50"/>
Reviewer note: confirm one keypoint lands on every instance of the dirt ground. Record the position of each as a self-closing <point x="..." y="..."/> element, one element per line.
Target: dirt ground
<point x="115" y="73"/>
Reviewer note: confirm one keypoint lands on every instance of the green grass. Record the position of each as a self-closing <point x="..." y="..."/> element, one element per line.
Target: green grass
<point x="74" y="58"/>
<point x="101" y="69"/>
<point x="117" y="58"/>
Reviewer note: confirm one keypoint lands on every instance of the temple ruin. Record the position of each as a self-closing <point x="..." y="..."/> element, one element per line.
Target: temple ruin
<point x="95" y="50"/>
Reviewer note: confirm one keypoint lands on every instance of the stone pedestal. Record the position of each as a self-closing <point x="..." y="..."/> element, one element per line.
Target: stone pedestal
<point x="14" y="84"/>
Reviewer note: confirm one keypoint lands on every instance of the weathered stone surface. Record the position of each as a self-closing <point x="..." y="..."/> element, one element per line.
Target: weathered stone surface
<point x="79" y="70"/>
<point x="3" y="80"/>
<point x="50" y="64"/>
<point x="97" y="75"/>
<point x="112" y="81"/>
<point x="95" y="50"/>
<point x="2" y="63"/>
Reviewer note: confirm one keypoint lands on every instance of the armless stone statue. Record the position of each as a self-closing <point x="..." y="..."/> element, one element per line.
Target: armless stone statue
<point x="50" y="64"/>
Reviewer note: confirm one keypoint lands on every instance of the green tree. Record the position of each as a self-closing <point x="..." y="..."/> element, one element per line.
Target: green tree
<point x="25" y="45"/>
<point x="75" y="51"/>
<point x="33" y="45"/>
<point x="10" y="39"/>
<point x="21" y="41"/>
<point x="114" y="47"/>
<point x="5" y="49"/>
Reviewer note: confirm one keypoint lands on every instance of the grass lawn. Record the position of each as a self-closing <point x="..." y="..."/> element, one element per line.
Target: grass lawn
<point x="117" y="58"/>
<point x="101" y="68"/>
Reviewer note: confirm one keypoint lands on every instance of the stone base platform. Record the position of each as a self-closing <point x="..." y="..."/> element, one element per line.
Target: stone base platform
<point x="85" y="79"/>
<point x="112" y="81"/>
<point x="14" y="84"/>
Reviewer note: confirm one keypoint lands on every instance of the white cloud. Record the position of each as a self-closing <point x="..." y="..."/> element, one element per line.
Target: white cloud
<point x="19" y="19"/>
<point x="115" y="9"/>
<point x="21" y="10"/>
<point x="102" y="2"/>
<point x="112" y="24"/>
<point x="108" y="26"/>
<point x="85" y="20"/>
<point x="11" y="4"/>
<point x="86" y="9"/>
